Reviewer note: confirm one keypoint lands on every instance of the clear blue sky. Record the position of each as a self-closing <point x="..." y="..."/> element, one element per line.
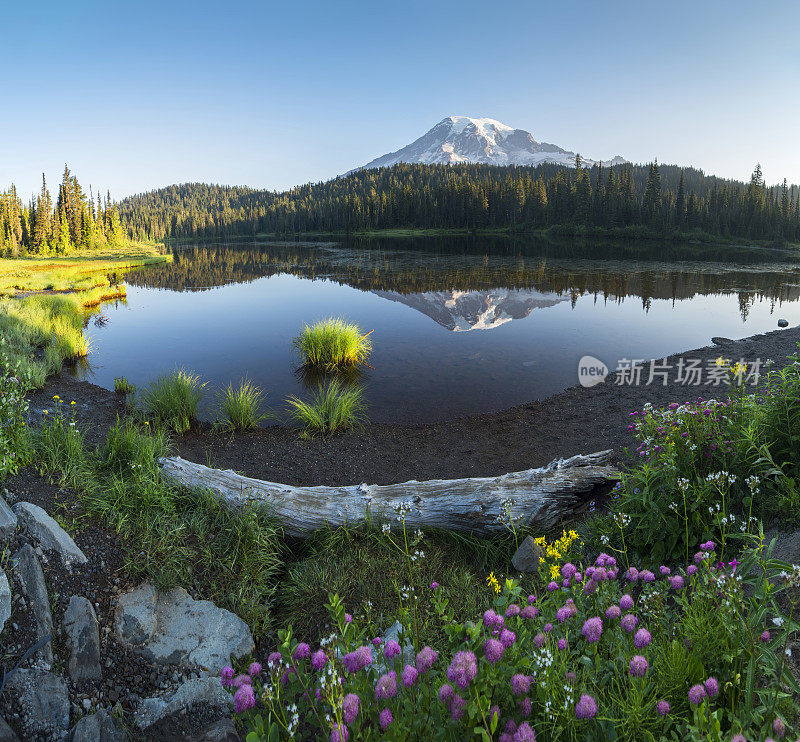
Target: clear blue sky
<point x="136" y="95"/>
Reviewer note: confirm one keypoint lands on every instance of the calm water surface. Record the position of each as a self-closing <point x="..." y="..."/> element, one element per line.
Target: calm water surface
<point x="460" y="326"/>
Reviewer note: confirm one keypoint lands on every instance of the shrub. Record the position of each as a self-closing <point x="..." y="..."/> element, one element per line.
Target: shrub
<point x="240" y="408"/>
<point x="332" y="343"/>
<point x="706" y="469"/>
<point x="332" y="408"/>
<point x="123" y="386"/>
<point x="173" y="399"/>
<point x="581" y="660"/>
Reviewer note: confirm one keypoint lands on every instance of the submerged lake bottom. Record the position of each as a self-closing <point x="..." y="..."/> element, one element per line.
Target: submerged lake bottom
<point x="460" y="326"/>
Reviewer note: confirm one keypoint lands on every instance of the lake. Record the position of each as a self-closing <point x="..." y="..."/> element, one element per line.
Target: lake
<point x="460" y="325"/>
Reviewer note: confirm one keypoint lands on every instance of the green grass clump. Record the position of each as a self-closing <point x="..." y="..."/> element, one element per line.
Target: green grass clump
<point x="333" y="408"/>
<point x="123" y="386"/>
<point x="173" y="399"/>
<point x="170" y="536"/>
<point x="240" y="407"/>
<point x="332" y="344"/>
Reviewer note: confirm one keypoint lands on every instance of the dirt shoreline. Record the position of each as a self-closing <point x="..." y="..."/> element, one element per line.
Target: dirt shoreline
<point x="577" y="420"/>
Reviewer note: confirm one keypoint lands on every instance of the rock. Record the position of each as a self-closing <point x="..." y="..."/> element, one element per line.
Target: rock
<point x="787" y="545"/>
<point x="8" y="521"/>
<point x="49" y="535"/>
<point x="5" y="599"/>
<point x="99" y="727"/>
<point x="722" y="341"/>
<point x="31" y="578"/>
<point x="526" y="558"/>
<point x="783" y="323"/>
<point x="83" y="638"/>
<point x="172" y="628"/>
<point x="6" y="732"/>
<point x="201" y="690"/>
<point x="223" y="730"/>
<point x="44" y="702"/>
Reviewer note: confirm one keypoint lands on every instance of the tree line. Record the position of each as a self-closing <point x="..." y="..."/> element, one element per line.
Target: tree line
<point x="659" y="199"/>
<point x="43" y="226"/>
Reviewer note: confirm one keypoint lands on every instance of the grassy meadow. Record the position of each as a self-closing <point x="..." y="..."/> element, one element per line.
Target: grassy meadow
<point x="45" y="300"/>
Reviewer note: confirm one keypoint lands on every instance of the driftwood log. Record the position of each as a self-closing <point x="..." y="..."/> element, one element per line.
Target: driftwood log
<point x="536" y="497"/>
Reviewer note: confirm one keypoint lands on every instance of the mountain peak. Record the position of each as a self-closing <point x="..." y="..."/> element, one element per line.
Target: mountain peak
<point x="479" y="140"/>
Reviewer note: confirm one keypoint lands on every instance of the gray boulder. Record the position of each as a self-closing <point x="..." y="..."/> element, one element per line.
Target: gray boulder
<point x="207" y="691"/>
<point x="99" y="727"/>
<point x="48" y="534"/>
<point x="8" y="521"/>
<point x="83" y="638"/>
<point x="787" y="545"/>
<point x="30" y="577"/>
<point x="5" y="599"/>
<point x="6" y="732"/>
<point x="172" y="628"/>
<point x="223" y="730"/>
<point x="783" y="323"/>
<point x="526" y="558"/>
<point x="44" y="703"/>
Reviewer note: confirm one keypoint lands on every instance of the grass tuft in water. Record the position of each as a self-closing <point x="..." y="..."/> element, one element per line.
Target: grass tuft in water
<point x="123" y="386"/>
<point x="332" y="408"/>
<point x="173" y="399"/>
<point x="332" y="343"/>
<point x="240" y="407"/>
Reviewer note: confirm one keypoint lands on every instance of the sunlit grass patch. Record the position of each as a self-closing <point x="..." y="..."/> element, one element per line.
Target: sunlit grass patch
<point x="173" y="399"/>
<point x="332" y="408"/>
<point x="240" y="407"/>
<point x="79" y="271"/>
<point x="333" y="343"/>
<point x="40" y="333"/>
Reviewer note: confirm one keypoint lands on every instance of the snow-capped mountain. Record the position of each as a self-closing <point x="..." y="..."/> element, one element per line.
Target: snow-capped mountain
<point x="461" y="311"/>
<point x="465" y="139"/>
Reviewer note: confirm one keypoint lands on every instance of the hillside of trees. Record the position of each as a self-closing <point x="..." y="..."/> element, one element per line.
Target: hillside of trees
<point x="43" y="226"/>
<point x="659" y="199"/>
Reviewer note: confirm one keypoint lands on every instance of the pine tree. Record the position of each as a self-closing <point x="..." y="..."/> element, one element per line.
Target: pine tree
<point x="652" y="194"/>
<point x="680" y="204"/>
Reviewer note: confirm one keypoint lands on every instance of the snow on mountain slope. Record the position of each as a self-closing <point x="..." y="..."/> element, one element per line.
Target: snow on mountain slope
<point x="461" y="311"/>
<point x="482" y="140"/>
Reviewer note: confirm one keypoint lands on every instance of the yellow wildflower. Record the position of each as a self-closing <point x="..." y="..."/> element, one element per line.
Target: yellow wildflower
<point x="493" y="583"/>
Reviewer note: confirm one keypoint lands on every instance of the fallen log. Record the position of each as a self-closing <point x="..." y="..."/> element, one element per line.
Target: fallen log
<point x="536" y="497"/>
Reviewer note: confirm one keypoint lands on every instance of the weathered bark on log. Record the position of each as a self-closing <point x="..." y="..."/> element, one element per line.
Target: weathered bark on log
<point x="538" y="497"/>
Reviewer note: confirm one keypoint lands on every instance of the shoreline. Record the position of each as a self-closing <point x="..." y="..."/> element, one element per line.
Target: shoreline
<point x="577" y="420"/>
